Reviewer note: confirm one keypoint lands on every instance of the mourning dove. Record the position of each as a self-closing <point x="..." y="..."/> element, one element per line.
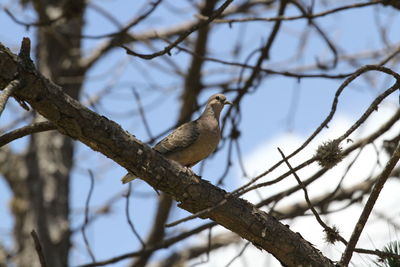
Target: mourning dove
<point x="193" y="141"/>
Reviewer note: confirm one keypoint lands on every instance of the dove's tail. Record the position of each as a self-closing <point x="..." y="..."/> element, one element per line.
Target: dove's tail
<point x="128" y="177"/>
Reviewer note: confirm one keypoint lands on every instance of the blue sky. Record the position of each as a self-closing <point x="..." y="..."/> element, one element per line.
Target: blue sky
<point x="266" y="114"/>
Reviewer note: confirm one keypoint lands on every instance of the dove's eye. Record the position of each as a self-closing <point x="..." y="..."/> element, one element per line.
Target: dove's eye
<point x="217" y="97"/>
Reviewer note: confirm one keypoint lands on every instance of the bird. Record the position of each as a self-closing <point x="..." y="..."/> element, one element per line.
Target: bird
<point x="193" y="141"/>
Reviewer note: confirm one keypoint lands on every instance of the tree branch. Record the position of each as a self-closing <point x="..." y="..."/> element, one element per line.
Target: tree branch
<point x="38" y="248"/>
<point x="108" y="138"/>
<point x="7" y="92"/>
<point x="369" y="206"/>
<point x="26" y="130"/>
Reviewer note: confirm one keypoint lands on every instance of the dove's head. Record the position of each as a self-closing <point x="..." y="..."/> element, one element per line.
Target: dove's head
<point x="216" y="103"/>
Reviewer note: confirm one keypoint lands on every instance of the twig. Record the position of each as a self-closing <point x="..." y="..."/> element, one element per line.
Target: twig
<point x="247" y="188"/>
<point x="323" y="36"/>
<point x="322" y="201"/>
<point x="238" y="255"/>
<point x="220" y="180"/>
<point x="125" y="29"/>
<point x="128" y="217"/>
<point x="161" y="244"/>
<point x="311" y="207"/>
<point x="390" y="57"/>
<point x="289" y="18"/>
<point x="30" y="24"/>
<point x="371" y="138"/>
<point x="207" y="250"/>
<point x="85" y="239"/>
<point x="157" y="232"/>
<point x="373" y="107"/>
<point x="7" y="92"/>
<point x="142" y="114"/>
<point x="38" y="248"/>
<point x="167" y="49"/>
<point x="26" y="130"/>
<point x="267" y="70"/>
<point x="347" y="254"/>
<point x="324" y="124"/>
<point x="188" y="253"/>
<point x="195" y="215"/>
<point x="276" y="180"/>
<point x="380" y="254"/>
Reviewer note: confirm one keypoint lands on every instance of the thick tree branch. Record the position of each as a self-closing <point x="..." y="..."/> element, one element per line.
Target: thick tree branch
<point x="194" y="195"/>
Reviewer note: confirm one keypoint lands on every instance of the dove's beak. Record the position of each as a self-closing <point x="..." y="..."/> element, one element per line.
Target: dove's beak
<point x="227" y="102"/>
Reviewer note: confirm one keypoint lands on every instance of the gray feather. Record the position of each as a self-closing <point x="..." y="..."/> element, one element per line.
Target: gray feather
<point x="179" y="139"/>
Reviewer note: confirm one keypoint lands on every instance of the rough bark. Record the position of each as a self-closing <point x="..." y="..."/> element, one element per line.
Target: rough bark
<point x="193" y="194"/>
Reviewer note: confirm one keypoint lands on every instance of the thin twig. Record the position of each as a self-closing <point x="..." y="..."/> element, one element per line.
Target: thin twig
<point x="38" y="248"/>
<point x="369" y="139"/>
<point x="120" y="34"/>
<point x="195" y="215"/>
<point x="32" y="24"/>
<point x="243" y="189"/>
<point x="390" y="56"/>
<point x="142" y="114"/>
<point x="7" y="92"/>
<point x="128" y="217"/>
<point x="167" y="49"/>
<point x="26" y="130"/>
<point x="161" y="244"/>
<point x="238" y="255"/>
<point x="324" y="124"/>
<point x="267" y="70"/>
<point x="290" y="18"/>
<point x="347" y="254"/>
<point x="373" y="107"/>
<point x="311" y="207"/>
<point x="380" y="254"/>
<point x="208" y="249"/>
<point x="85" y="239"/>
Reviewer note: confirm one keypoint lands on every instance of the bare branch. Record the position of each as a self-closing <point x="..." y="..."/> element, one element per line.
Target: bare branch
<point x="195" y="251"/>
<point x="7" y="92"/>
<point x="167" y="49"/>
<point x="327" y="229"/>
<point x="38" y="248"/>
<point x="194" y="195"/>
<point x="83" y="229"/>
<point x="26" y="130"/>
<point x="157" y="230"/>
<point x="346" y="256"/>
<point x="304" y="16"/>
<point x="128" y="217"/>
<point x="47" y="22"/>
<point x="162" y="244"/>
<point x="333" y="111"/>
